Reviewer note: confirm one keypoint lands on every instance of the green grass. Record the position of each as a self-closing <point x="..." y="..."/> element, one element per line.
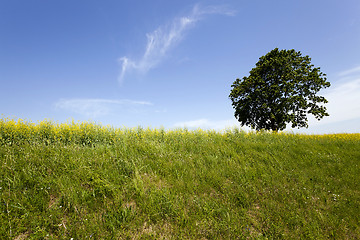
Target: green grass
<point x="105" y="183"/>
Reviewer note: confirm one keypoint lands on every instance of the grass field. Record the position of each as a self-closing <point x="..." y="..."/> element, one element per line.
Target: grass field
<point x="87" y="181"/>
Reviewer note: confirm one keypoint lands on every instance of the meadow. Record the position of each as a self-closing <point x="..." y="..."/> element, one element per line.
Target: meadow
<point x="82" y="180"/>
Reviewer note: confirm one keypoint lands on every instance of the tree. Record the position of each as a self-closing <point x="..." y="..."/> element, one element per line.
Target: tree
<point x="281" y="89"/>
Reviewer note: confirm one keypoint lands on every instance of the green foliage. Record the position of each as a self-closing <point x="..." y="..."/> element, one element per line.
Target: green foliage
<point x="281" y="89"/>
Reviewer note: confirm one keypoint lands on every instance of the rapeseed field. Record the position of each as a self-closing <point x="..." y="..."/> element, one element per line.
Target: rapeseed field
<point x="83" y="180"/>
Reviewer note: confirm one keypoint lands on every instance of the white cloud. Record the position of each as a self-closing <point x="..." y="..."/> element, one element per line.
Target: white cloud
<point x="95" y="107"/>
<point x="208" y="124"/>
<point x="160" y="41"/>
<point x="343" y="97"/>
<point x="355" y="70"/>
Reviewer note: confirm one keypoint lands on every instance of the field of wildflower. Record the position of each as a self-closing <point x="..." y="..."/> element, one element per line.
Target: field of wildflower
<point x="82" y="180"/>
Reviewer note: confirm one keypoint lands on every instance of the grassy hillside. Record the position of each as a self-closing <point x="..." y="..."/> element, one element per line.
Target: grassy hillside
<point x="86" y="181"/>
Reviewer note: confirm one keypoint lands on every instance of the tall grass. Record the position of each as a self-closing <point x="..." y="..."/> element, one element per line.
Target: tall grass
<point x="86" y="181"/>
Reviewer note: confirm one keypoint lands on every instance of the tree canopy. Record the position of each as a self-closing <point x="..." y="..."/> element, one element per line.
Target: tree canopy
<point x="281" y="89"/>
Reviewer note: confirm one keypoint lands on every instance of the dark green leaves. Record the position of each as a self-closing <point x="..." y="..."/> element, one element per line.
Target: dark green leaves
<point x="281" y="89"/>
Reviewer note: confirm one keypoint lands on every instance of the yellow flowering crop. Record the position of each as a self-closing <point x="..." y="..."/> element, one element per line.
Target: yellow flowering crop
<point x="88" y="133"/>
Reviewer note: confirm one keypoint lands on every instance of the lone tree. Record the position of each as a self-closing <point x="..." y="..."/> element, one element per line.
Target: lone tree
<point x="281" y="89"/>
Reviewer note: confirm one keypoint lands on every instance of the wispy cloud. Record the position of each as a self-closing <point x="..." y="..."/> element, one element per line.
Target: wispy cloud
<point x="208" y="124"/>
<point x="344" y="97"/>
<point x="352" y="71"/>
<point x="96" y="107"/>
<point x="165" y="37"/>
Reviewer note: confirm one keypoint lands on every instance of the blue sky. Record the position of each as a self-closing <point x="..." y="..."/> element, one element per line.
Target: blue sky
<point x="167" y="63"/>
